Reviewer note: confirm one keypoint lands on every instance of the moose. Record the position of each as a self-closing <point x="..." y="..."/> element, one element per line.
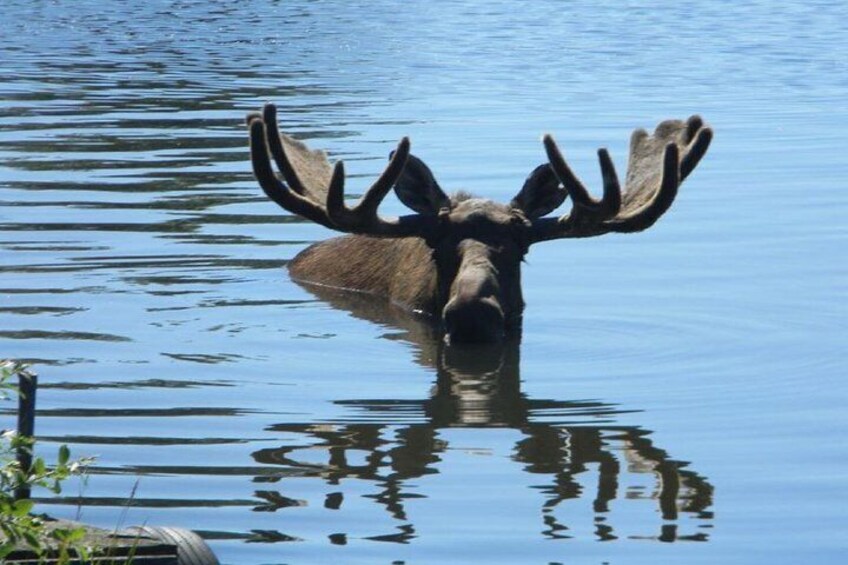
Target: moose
<point x="458" y="259"/>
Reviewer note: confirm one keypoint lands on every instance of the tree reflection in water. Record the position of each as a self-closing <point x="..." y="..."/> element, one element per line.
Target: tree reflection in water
<point x="391" y="442"/>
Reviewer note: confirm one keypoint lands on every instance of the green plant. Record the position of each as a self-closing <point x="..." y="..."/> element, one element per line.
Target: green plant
<point x="18" y="526"/>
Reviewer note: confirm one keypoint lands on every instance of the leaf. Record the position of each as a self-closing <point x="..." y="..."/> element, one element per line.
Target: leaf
<point x="77" y="534"/>
<point x="6" y="549"/>
<point x="22" y="507"/>
<point x="64" y="455"/>
<point x="38" y="466"/>
<point x="61" y="534"/>
<point x="10" y="531"/>
<point x="32" y="540"/>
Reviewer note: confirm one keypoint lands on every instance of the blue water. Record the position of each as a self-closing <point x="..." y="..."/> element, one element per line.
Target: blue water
<point x="677" y="395"/>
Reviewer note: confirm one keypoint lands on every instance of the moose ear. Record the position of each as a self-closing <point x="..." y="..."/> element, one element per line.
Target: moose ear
<point x="541" y="193"/>
<point x="417" y="188"/>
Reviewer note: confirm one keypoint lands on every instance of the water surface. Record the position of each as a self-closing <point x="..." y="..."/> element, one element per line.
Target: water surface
<point x="677" y="394"/>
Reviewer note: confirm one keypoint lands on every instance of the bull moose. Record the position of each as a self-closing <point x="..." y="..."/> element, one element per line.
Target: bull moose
<point x="458" y="259"/>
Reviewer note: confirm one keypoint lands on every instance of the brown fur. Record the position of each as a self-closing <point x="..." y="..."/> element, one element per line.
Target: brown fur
<point x="373" y="266"/>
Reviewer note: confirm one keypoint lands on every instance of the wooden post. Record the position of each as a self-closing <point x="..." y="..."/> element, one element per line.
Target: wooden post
<point x="27" y="385"/>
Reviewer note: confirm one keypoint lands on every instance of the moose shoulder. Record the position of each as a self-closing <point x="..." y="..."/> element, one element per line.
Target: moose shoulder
<point x="459" y="258"/>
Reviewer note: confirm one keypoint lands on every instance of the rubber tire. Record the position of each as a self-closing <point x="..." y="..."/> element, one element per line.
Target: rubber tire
<point x="191" y="549"/>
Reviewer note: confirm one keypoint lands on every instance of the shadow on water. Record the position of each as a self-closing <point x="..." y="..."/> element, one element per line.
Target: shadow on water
<point x="564" y="443"/>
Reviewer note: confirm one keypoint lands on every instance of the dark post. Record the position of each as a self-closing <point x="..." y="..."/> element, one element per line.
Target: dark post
<point x="27" y="384"/>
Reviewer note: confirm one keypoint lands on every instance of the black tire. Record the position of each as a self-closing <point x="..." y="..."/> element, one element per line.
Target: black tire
<point x="191" y="549"/>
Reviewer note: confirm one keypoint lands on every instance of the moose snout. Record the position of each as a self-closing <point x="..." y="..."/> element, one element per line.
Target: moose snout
<point x="476" y="320"/>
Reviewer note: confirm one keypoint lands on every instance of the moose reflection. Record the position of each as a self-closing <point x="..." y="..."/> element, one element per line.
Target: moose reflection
<point x="565" y="444"/>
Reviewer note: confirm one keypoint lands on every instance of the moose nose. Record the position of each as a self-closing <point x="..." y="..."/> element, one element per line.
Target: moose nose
<point x="479" y="320"/>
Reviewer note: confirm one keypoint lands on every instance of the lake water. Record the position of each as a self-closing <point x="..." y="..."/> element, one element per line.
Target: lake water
<point x="677" y="395"/>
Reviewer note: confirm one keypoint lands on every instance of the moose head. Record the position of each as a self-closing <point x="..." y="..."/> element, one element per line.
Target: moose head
<point x="458" y="259"/>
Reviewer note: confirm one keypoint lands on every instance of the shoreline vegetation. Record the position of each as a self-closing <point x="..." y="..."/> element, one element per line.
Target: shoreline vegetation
<point x="20" y="471"/>
<point x="30" y="538"/>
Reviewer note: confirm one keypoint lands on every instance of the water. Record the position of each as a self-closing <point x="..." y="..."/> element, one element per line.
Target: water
<point x="677" y="394"/>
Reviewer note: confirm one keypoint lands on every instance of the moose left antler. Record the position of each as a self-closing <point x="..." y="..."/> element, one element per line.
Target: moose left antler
<point x="305" y="173"/>
<point x="657" y="166"/>
<point x="458" y="258"/>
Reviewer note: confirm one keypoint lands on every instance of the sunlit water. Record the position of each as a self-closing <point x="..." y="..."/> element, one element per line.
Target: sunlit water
<point x="677" y="395"/>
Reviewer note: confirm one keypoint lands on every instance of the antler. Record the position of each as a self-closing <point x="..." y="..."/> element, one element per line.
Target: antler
<point x="657" y="165"/>
<point x="307" y="176"/>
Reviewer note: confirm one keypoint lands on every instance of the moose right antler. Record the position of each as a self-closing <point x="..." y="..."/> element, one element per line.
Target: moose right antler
<point x="459" y="259"/>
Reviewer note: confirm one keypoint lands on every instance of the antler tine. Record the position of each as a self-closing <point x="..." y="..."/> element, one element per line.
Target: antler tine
<point x="566" y="176"/>
<point x="371" y="200"/>
<point x="275" y="144"/>
<point x="611" y="202"/>
<point x="336" y="209"/>
<point x="272" y="187"/>
<point x="365" y="212"/>
<point x="697" y="149"/>
<point x="584" y="205"/>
